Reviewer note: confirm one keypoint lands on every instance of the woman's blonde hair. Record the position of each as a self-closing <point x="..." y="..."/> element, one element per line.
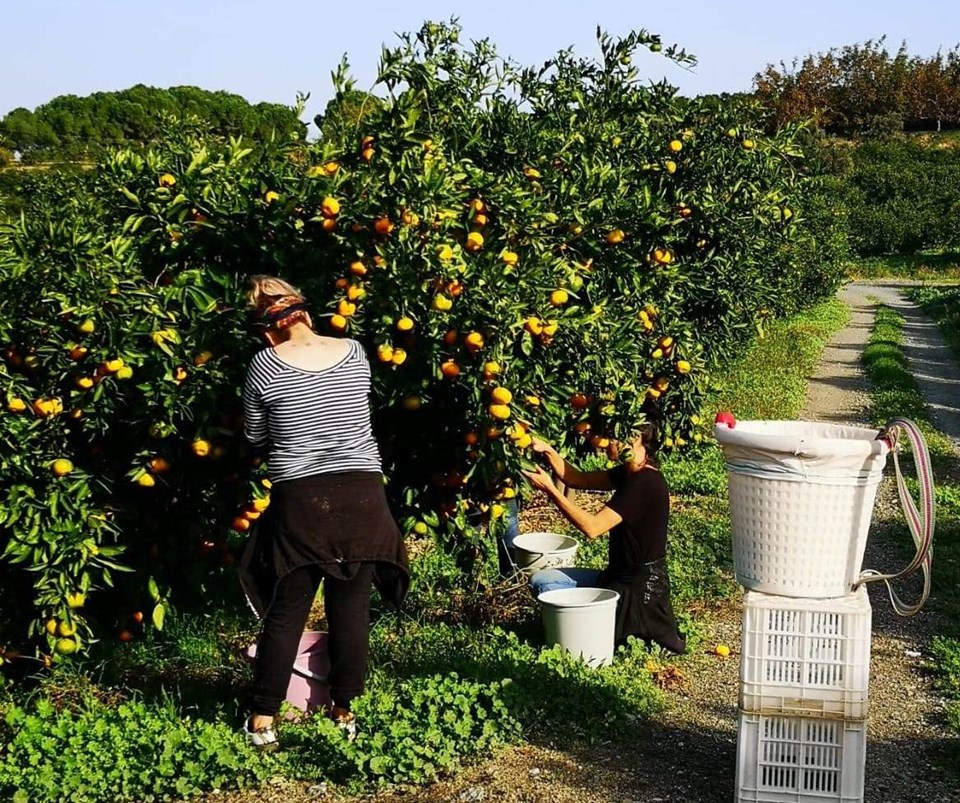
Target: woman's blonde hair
<point x="265" y="290"/>
<point x="269" y="296"/>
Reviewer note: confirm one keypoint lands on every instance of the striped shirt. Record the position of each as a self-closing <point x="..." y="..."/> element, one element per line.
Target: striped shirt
<point x="313" y="422"/>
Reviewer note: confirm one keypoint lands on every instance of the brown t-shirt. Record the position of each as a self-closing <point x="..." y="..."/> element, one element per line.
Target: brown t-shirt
<point x="643" y="502"/>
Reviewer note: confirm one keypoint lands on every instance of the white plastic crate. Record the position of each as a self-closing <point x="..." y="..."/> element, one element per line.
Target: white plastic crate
<point x="806" y="656"/>
<point x="800" y="759"/>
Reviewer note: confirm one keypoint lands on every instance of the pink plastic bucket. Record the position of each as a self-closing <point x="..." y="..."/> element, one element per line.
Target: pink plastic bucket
<point x="308" y="687"/>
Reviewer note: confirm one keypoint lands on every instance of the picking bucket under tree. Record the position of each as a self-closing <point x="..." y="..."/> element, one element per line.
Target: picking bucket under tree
<point x="801" y="501"/>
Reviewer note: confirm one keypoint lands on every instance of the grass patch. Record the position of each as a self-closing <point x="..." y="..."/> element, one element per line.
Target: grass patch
<point x="943" y="305"/>
<point x="926" y="267"/>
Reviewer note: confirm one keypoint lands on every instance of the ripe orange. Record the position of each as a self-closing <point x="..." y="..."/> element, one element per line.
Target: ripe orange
<point x="559" y="297"/>
<point x="270" y="196"/>
<point x="399" y="357"/>
<point x="146" y="481"/>
<point x="366" y="142"/>
<point x="76" y="599"/>
<point x="203" y="358"/>
<point x="330" y="207"/>
<point x="550" y="328"/>
<point x="385" y="353"/>
<point x="346" y="308"/>
<point x="16" y="405"/>
<point x="330" y="168"/>
<point x="676" y="146"/>
<point x="474" y="341"/>
<point x="179" y="374"/>
<point x="240" y="524"/>
<point x="445" y="253"/>
<point x="748" y="144"/>
<point x="579" y="401"/>
<point x="471" y="439"/>
<point x="61" y="467"/>
<point x="450" y="369"/>
<point x="581" y="427"/>
<point x="670" y="167"/>
<point x="84" y="382"/>
<point x="87" y="327"/>
<point x="124" y="373"/>
<point x="329" y="224"/>
<point x="167" y="180"/>
<point x="499" y="411"/>
<point x="358" y="268"/>
<point x="137" y="616"/>
<point x="441" y="303"/>
<point x="474" y="241"/>
<point x="533" y="325"/>
<point x="405" y="324"/>
<point x="480" y="220"/>
<point x="78" y="353"/>
<point x="383" y="226"/>
<point x="410" y="218"/>
<point x="159" y="465"/>
<point x="509" y="258"/>
<point x="491" y="369"/>
<point x="615" y="236"/>
<point x="355" y="292"/>
<point x="366" y="154"/>
<point x="683" y="367"/>
<point x="200" y="447"/>
<point x="501" y="396"/>
<point x="455" y="288"/>
<point x="125" y="636"/>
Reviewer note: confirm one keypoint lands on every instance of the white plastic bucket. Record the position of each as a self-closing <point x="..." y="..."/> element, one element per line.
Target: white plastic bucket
<point x="535" y="551"/>
<point x="582" y="621"/>
<point x="801" y="500"/>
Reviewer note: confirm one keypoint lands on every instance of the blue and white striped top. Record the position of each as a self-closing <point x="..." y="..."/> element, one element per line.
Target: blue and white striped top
<point x="313" y="422"/>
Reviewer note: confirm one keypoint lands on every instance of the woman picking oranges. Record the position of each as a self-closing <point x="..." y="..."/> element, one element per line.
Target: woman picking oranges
<point x="636" y="519"/>
<point x="306" y="403"/>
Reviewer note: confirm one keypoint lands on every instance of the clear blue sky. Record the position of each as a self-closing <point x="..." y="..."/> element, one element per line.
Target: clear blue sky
<point x="270" y="49"/>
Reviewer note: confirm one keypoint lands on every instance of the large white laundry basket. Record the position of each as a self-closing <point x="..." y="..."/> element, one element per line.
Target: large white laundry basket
<point x="801" y="500"/>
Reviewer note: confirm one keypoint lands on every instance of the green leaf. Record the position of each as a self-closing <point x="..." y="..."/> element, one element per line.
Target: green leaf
<point x="157" y="615"/>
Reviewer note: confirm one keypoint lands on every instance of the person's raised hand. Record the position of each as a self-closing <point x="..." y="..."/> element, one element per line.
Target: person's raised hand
<point x="540" y="446"/>
<point x="539" y="479"/>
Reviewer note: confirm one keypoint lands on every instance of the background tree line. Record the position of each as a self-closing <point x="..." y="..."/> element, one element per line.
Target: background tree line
<point x="71" y="128"/>
<point x="865" y="89"/>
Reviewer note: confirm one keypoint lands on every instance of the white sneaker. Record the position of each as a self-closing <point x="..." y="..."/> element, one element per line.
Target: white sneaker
<point x="345" y="721"/>
<point x="263" y="739"/>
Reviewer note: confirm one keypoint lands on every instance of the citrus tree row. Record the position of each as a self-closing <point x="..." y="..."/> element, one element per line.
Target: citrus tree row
<point x="565" y="250"/>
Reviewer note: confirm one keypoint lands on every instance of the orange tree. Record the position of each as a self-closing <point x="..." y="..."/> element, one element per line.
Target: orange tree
<point x="564" y="249"/>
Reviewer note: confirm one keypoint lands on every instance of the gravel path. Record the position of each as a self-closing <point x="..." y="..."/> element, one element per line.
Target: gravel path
<point x="907" y="735"/>
<point x="687" y="754"/>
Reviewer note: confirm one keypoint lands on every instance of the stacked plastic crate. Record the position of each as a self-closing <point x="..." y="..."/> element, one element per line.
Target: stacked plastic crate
<point x="805" y="676"/>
